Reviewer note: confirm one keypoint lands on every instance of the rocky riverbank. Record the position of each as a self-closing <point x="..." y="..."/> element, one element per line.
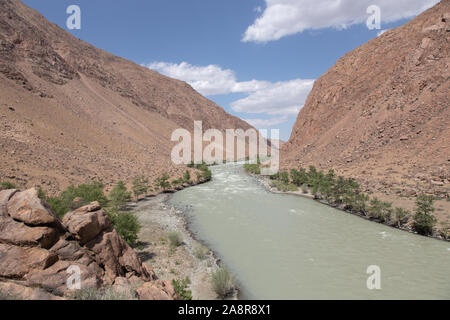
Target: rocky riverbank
<point x="40" y="254"/>
<point x="190" y="260"/>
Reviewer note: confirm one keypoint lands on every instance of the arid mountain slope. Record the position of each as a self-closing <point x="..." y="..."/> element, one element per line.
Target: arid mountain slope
<point x="71" y="112"/>
<point x="381" y="114"/>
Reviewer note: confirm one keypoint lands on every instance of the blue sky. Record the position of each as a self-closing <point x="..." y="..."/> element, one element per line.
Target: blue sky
<point x="255" y="58"/>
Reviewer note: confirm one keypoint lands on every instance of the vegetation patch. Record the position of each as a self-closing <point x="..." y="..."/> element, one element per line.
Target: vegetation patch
<point x="222" y="282"/>
<point x="181" y="288"/>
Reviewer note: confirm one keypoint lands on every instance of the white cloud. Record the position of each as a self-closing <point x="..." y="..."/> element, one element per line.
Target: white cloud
<point x="281" y="98"/>
<point x="278" y="100"/>
<point x="286" y="17"/>
<point x="266" y="123"/>
<point x="208" y="80"/>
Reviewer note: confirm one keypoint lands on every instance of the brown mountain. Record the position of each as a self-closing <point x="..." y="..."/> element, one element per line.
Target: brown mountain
<point x="381" y="113"/>
<point x="71" y="112"/>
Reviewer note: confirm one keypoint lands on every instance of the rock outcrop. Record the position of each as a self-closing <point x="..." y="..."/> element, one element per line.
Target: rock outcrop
<point x="38" y="252"/>
<point x="381" y="114"/>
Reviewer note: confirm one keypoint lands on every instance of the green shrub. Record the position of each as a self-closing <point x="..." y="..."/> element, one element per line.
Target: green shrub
<point x="140" y="186"/>
<point x="187" y="177"/>
<point x="299" y="177"/>
<point x="6" y="185"/>
<point x="424" y="222"/>
<point x="119" y="196"/>
<point x="222" y="282"/>
<point x="174" y="239"/>
<point x="402" y="216"/>
<point x="380" y="210"/>
<point x="283" y="187"/>
<point x="201" y="252"/>
<point x="305" y="189"/>
<point x="180" y="287"/>
<point x="162" y="182"/>
<point x="252" y="168"/>
<point x="284" y="177"/>
<point x="126" y="225"/>
<point x="75" y="197"/>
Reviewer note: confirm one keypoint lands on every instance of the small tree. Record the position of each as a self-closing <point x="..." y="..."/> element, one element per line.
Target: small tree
<point x="162" y="182"/>
<point x="284" y="177"/>
<point x="126" y="225"/>
<point x="119" y="195"/>
<point x="424" y="222"/>
<point x="401" y="216"/>
<point x="140" y="186"/>
<point x="187" y="177"/>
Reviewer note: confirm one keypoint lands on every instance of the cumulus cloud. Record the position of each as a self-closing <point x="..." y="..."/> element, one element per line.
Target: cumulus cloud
<point x="278" y="100"/>
<point x="286" y="17"/>
<point x="266" y="123"/>
<point x="208" y="80"/>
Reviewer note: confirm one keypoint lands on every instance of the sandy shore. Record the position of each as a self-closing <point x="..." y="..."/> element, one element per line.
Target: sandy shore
<point x="158" y="219"/>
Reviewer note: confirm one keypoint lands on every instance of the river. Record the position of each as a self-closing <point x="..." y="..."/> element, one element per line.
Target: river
<point x="288" y="247"/>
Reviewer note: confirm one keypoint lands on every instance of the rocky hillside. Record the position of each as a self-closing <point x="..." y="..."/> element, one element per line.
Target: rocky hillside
<point x="71" y="112"/>
<point x="38" y="252"/>
<point x="381" y="113"/>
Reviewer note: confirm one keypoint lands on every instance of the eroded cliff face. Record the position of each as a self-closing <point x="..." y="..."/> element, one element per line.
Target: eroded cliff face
<point x="70" y="112"/>
<point x="39" y="253"/>
<point x="381" y="114"/>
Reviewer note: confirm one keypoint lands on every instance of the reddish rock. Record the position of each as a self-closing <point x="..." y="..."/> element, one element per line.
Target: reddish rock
<point x="26" y="207"/>
<point x="158" y="290"/>
<point x="17" y="291"/>
<point x="87" y="222"/>
<point x="16" y="262"/>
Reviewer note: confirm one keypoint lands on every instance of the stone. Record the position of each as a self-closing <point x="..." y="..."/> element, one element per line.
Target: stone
<point x="16" y="291"/>
<point x="5" y="195"/>
<point x="27" y="207"/>
<point x="158" y="290"/>
<point x="87" y="222"/>
<point x="117" y="257"/>
<point x="17" y="233"/>
<point x="16" y="262"/>
<point x="55" y="279"/>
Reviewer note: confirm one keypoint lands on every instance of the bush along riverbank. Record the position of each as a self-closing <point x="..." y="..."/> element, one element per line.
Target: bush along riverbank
<point x="345" y="194"/>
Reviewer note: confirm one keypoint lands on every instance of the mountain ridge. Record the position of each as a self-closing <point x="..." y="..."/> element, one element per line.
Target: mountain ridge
<point x="381" y="113"/>
<point x="71" y="112"/>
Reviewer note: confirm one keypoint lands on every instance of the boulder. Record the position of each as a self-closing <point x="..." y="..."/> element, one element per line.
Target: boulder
<point x="27" y="207"/>
<point x="55" y="279"/>
<point x="18" y="233"/>
<point x="16" y="262"/>
<point x="5" y="195"/>
<point x="16" y="291"/>
<point x="87" y="222"/>
<point x="157" y="290"/>
<point x="117" y="257"/>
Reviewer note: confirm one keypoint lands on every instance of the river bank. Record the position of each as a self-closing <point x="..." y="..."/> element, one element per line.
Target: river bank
<point x="158" y="219"/>
<point x="408" y="227"/>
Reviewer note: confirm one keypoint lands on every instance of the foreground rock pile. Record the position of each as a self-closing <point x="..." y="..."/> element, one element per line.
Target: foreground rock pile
<point x="37" y="251"/>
